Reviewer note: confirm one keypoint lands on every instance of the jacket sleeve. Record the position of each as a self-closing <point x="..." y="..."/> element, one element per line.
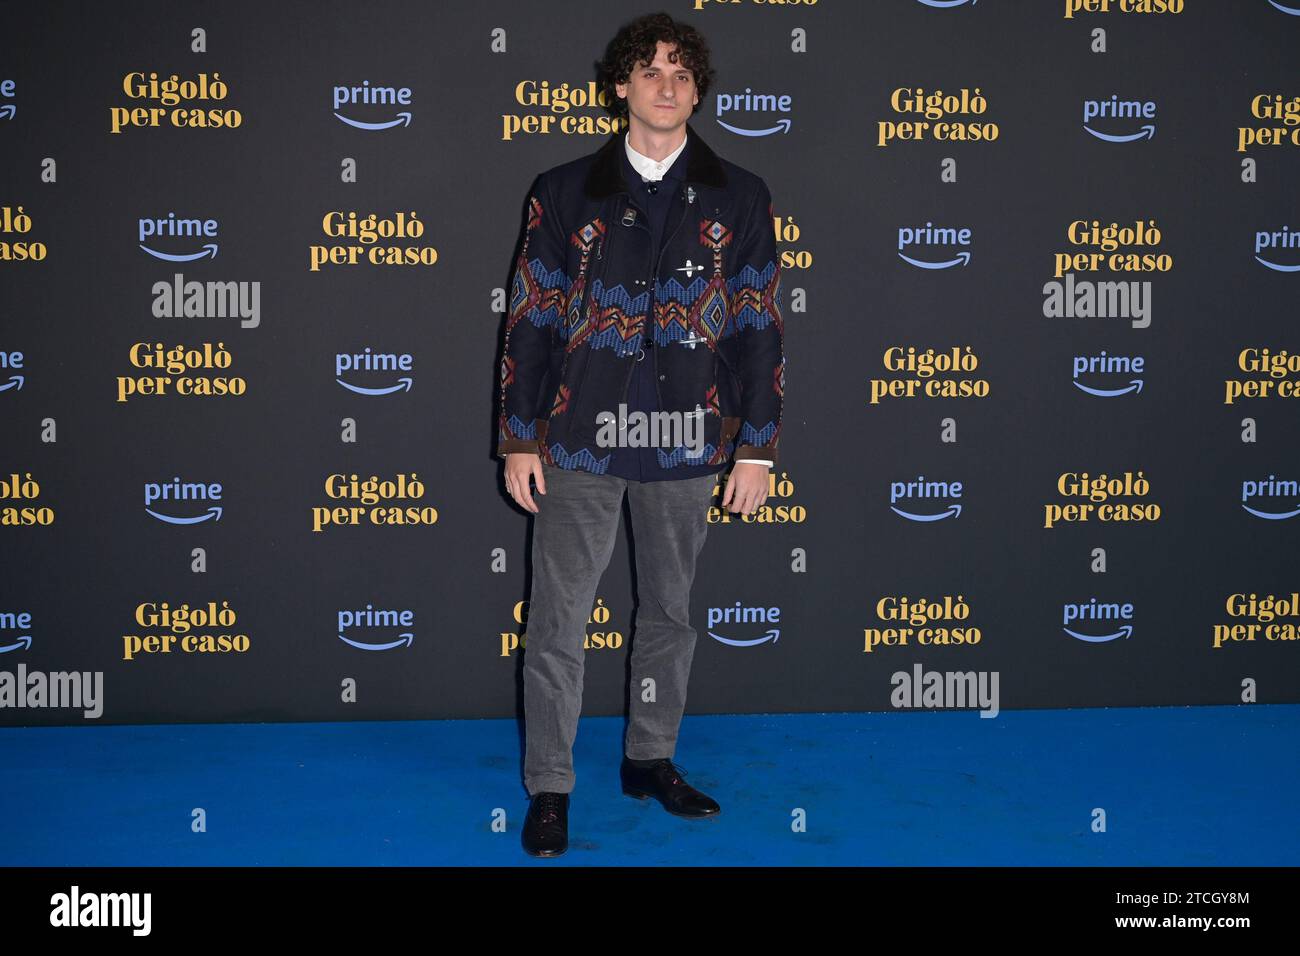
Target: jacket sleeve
<point x="538" y="291"/>
<point x="760" y="330"/>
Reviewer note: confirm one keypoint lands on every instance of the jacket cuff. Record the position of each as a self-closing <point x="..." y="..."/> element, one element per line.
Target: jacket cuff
<point x="766" y="453"/>
<point x="508" y="446"/>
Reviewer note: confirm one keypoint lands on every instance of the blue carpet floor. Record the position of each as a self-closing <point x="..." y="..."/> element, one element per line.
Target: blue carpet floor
<point x="1178" y="785"/>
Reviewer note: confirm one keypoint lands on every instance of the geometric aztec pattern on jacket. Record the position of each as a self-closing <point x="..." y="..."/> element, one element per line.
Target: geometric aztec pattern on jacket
<point x="579" y="301"/>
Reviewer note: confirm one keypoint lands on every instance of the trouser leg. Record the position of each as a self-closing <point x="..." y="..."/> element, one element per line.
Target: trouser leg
<point x="669" y="524"/>
<point x="573" y="536"/>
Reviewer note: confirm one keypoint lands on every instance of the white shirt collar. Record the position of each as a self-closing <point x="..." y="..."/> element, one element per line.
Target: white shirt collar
<point x="651" y="169"/>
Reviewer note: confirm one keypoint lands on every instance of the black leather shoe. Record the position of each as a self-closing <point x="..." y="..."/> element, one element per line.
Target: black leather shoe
<point x="546" y="828"/>
<point x="664" y="782"/>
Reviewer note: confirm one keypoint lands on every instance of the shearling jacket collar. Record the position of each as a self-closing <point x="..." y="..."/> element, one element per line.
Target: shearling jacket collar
<point x="605" y="178"/>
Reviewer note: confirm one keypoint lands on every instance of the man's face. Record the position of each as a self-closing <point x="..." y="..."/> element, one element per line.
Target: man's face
<point x="661" y="94"/>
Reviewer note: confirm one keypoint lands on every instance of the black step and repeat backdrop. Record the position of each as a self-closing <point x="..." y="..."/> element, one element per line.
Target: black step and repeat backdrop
<point x="1041" y="267"/>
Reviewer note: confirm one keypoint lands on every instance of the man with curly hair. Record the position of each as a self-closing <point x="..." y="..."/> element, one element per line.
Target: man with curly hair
<point x="648" y="281"/>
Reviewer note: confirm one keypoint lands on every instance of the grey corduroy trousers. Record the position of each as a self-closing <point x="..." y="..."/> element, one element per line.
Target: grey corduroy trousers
<point x="573" y="538"/>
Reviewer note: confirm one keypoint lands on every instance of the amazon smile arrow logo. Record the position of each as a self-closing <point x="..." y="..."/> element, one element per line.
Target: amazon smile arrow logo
<point x="1147" y="132"/>
<point x="1123" y="632"/>
<point x="403" y="119"/>
<point x="403" y="383"/>
<point x="772" y="635"/>
<point x="213" y="514"/>
<point x="24" y="641"/>
<point x="962" y="259"/>
<point x="1133" y="386"/>
<point x="1275" y="266"/>
<point x="953" y="511"/>
<point x="1273" y="515"/>
<point x="209" y="252"/>
<point x="408" y="639"/>
<point x="782" y="126"/>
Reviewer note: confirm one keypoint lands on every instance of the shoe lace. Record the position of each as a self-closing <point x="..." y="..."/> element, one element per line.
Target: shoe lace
<point x="548" y="807"/>
<point x="676" y="772"/>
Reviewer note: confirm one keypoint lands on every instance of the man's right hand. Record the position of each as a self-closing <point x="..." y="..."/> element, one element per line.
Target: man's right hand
<point x="520" y="465"/>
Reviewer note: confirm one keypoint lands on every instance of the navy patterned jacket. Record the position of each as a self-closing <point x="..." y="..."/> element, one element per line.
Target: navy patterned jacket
<point x="579" y="298"/>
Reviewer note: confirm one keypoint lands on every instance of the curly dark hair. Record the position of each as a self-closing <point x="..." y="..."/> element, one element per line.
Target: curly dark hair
<point x="635" y="44"/>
